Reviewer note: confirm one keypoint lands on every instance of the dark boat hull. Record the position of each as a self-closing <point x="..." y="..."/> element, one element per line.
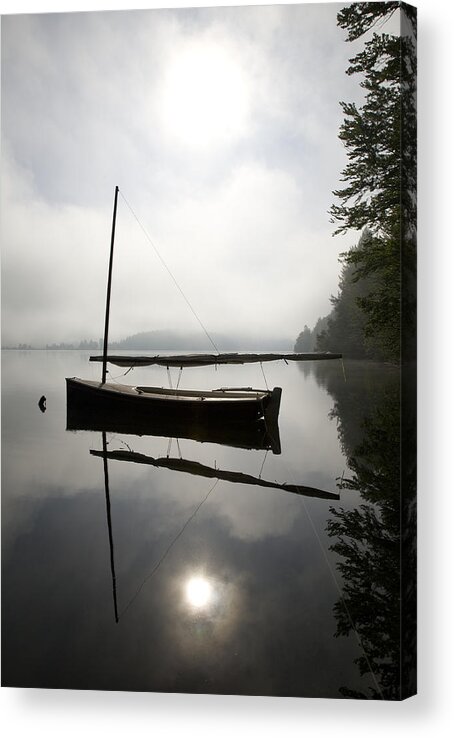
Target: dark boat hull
<point x="242" y="419"/>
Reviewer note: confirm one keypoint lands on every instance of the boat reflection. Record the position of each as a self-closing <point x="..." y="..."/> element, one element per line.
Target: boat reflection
<point x="258" y="434"/>
<point x="201" y="470"/>
<point x="200" y="594"/>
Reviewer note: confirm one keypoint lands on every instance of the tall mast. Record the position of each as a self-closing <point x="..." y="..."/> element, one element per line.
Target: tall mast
<point x="109" y="285"/>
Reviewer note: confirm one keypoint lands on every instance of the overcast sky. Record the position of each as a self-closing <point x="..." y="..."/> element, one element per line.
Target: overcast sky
<point x="219" y="125"/>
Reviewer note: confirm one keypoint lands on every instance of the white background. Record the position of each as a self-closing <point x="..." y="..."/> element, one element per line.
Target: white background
<point x="53" y="713"/>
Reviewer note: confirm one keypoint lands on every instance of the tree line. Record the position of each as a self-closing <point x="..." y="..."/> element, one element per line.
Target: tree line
<point x="374" y="312"/>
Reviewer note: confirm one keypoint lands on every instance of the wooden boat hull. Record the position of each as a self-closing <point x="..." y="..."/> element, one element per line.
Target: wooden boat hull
<point x="246" y="418"/>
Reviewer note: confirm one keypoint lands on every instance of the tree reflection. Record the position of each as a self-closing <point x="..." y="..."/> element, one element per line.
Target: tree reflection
<point x="375" y="541"/>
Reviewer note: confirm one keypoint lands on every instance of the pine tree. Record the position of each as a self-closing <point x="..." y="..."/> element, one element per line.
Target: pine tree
<point x="305" y="341"/>
<point x="380" y="176"/>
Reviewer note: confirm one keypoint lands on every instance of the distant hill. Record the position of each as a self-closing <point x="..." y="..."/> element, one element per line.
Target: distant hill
<point x="170" y="340"/>
<point x="173" y="340"/>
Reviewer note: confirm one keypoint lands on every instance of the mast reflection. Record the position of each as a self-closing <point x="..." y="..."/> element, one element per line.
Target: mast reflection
<point x="199" y="590"/>
<point x="109" y="526"/>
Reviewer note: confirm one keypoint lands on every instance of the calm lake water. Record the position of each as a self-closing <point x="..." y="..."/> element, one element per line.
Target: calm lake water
<point x="219" y="587"/>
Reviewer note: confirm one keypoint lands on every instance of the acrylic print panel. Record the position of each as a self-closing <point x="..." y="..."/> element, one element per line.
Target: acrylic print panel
<point x="156" y="536"/>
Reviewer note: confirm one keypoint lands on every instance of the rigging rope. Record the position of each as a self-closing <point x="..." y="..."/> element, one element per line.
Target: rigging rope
<point x="170" y="273"/>
<point x="168" y="549"/>
<point x="263" y="463"/>
<point x="266" y="383"/>
<point x="117" y="376"/>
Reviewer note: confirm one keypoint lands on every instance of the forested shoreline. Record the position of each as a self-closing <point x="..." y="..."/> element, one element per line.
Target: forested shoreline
<point x="374" y="313"/>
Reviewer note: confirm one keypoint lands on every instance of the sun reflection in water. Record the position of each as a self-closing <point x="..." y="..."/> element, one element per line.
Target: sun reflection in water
<point x="199" y="592"/>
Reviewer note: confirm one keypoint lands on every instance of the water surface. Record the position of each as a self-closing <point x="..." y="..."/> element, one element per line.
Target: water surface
<point x="218" y="587"/>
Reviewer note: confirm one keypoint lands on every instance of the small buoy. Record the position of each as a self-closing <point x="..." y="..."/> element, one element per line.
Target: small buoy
<point x="42" y="404"/>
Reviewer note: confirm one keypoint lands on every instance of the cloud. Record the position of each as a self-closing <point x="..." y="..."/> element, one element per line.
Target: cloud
<point x="51" y="272"/>
<point x="219" y="125"/>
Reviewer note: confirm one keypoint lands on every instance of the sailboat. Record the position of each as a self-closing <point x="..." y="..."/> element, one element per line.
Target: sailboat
<point x="223" y="406"/>
<point x="259" y="435"/>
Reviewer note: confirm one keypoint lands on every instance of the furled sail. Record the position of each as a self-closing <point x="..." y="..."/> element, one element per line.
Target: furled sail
<point x="184" y="360"/>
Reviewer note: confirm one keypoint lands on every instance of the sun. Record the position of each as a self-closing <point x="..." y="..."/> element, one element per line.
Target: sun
<point x="204" y="96"/>
<point x="199" y="592"/>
